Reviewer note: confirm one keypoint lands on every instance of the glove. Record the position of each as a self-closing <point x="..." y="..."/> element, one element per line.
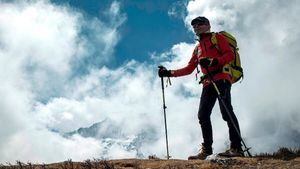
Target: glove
<point x="163" y="72"/>
<point x="205" y="62"/>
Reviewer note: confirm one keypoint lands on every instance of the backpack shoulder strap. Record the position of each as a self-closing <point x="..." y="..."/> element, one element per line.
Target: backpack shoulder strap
<point x="214" y="40"/>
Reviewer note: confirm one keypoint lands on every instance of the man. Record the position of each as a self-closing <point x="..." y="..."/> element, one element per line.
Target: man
<point x="212" y="59"/>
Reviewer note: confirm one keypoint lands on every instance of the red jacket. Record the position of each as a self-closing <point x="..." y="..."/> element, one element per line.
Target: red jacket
<point x="205" y="48"/>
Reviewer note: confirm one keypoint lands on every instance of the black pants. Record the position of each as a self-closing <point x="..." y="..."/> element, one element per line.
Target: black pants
<point x="207" y="102"/>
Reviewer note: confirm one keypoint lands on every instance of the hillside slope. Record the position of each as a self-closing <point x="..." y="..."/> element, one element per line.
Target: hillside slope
<point x="238" y="163"/>
<point x="283" y="158"/>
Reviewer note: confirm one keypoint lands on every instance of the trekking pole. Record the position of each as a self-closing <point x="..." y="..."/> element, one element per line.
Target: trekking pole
<point x="227" y="110"/>
<point x="165" y="116"/>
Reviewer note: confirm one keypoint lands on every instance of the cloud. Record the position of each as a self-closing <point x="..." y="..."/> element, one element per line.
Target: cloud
<point x="178" y="10"/>
<point x="42" y="46"/>
<point x="44" y="146"/>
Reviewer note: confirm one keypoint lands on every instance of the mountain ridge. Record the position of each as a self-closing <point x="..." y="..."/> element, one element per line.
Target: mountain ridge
<point x="109" y="134"/>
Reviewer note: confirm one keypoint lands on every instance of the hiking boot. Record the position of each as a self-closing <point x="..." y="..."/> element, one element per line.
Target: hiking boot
<point x="203" y="153"/>
<point x="233" y="152"/>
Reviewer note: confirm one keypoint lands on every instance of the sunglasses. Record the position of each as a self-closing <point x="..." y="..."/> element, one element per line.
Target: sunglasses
<point x="197" y="22"/>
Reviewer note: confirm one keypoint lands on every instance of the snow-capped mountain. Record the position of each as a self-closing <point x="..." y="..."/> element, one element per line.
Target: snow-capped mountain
<point x="110" y="134"/>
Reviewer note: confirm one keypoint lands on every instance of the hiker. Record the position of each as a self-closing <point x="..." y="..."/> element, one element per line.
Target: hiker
<point x="212" y="59"/>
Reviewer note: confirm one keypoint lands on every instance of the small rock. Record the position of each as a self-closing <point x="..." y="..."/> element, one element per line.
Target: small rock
<point x="215" y="158"/>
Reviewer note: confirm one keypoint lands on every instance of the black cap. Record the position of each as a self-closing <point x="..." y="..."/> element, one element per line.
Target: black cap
<point x="200" y="20"/>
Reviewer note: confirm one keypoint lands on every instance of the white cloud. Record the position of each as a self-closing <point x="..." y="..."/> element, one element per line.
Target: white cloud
<point x="41" y="47"/>
<point x="36" y="34"/>
<point x="41" y="145"/>
<point x="177" y="10"/>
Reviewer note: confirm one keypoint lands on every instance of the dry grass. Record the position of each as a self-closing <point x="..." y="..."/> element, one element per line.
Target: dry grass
<point x="283" y="158"/>
<point x="282" y="153"/>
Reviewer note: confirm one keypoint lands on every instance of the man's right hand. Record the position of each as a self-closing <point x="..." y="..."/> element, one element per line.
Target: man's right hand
<point x="163" y="72"/>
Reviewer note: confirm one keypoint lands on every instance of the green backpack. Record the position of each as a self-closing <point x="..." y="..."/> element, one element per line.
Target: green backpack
<point x="233" y="68"/>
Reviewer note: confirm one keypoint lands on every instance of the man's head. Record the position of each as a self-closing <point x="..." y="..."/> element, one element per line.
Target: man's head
<point x="200" y="25"/>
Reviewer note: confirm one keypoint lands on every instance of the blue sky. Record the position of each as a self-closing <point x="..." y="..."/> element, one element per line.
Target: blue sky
<point x="70" y="64"/>
<point x="148" y="28"/>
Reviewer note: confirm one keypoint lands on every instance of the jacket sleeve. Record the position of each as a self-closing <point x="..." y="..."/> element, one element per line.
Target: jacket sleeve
<point x="227" y="54"/>
<point x="189" y="68"/>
